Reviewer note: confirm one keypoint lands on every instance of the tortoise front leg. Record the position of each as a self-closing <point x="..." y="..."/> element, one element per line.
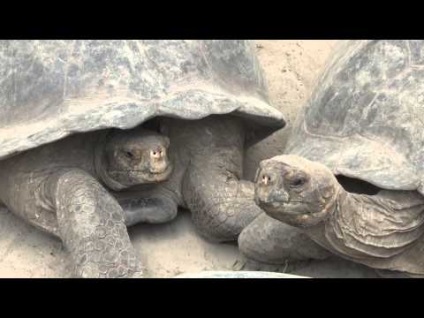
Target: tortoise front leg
<point x="91" y="225"/>
<point x="153" y="209"/>
<point x="153" y="204"/>
<point x="221" y="204"/>
<point x="270" y="241"/>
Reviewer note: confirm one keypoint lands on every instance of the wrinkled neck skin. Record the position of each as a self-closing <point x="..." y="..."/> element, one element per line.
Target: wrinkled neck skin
<point x="364" y="228"/>
<point x="100" y="165"/>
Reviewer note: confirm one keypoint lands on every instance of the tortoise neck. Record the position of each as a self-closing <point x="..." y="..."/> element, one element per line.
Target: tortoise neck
<point x="317" y="229"/>
<point x="369" y="226"/>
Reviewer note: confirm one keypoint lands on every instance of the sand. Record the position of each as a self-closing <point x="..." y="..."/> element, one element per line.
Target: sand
<point x="290" y="67"/>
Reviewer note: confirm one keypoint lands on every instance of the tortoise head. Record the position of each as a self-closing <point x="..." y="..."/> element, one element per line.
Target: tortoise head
<point x="136" y="156"/>
<point x="295" y="190"/>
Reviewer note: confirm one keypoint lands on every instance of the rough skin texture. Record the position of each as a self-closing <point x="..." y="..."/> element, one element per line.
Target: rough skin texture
<point x="364" y="121"/>
<point x="208" y="159"/>
<point x="60" y="188"/>
<point x="270" y="241"/>
<point x="383" y="231"/>
<point x="92" y="227"/>
<point x="54" y="89"/>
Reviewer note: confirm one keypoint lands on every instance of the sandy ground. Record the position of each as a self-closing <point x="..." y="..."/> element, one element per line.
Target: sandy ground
<point x="291" y="68"/>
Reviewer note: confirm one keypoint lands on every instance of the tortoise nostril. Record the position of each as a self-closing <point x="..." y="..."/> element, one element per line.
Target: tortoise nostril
<point x="265" y="179"/>
<point x="156" y="154"/>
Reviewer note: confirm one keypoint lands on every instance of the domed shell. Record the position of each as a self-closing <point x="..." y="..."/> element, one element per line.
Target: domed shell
<point x="365" y="118"/>
<point x="51" y="89"/>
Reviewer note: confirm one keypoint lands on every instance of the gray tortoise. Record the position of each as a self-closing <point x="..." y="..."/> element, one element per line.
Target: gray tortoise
<point x="352" y="178"/>
<point x="72" y="148"/>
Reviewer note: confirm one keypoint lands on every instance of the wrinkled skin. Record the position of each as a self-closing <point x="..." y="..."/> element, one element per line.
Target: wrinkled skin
<point x="62" y="188"/>
<point x="208" y="160"/>
<point x="383" y="231"/>
<point x="54" y="89"/>
<point x="267" y="240"/>
<point x="305" y="191"/>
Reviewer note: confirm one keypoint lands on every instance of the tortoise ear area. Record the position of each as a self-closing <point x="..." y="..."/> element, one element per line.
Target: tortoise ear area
<point x="326" y="191"/>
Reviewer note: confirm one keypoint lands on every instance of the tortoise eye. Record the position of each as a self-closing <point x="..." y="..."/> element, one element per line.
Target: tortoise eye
<point x="129" y="154"/>
<point x="298" y="182"/>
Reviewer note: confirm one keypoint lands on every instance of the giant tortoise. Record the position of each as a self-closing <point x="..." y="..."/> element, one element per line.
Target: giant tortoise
<point x="70" y="116"/>
<point x="352" y="176"/>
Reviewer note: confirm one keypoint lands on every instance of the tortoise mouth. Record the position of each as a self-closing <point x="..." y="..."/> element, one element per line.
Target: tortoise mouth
<point x="156" y="176"/>
<point x="301" y="218"/>
<point x="141" y="176"/>
<point x="283" y="209"/>
<point x="280" y="206"/>
<point x="287" y="207"/>
<point x="298" y="213"/>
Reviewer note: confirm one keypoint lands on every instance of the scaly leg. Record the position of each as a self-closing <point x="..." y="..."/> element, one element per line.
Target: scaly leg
<point x="157" y="205"/>
<point x="91" y="225"/>
<point x="270" y="241"/>
<point x="221" y="204"/>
